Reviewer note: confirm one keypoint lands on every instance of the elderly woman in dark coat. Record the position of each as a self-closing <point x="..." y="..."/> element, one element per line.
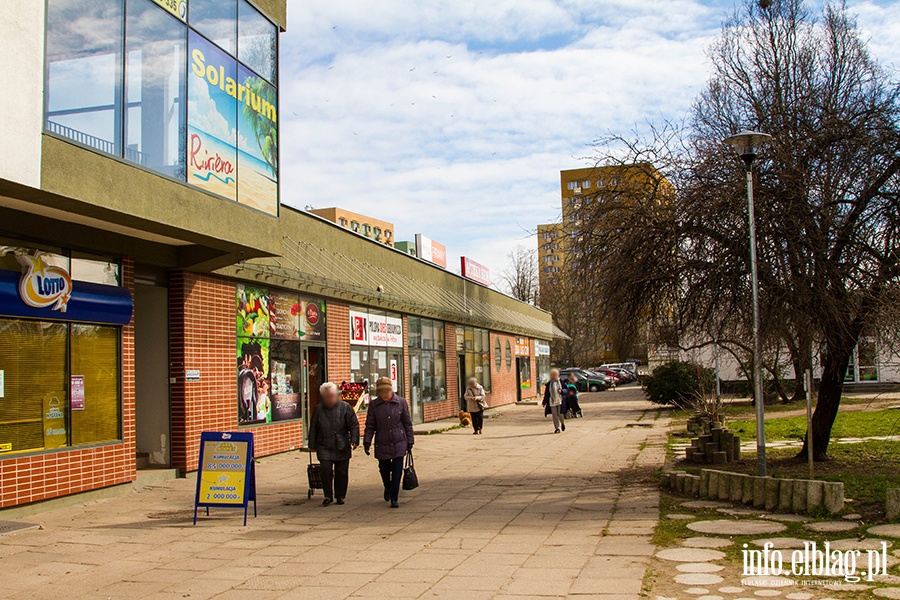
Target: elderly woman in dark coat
<point x="389" y="423"/>
<point x="333" y="434"/>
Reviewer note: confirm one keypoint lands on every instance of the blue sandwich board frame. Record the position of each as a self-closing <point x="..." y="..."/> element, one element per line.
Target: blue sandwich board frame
<point x="226" y="475"/>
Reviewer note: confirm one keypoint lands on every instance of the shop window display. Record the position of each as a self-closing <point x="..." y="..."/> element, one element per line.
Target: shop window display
<point x="427" y="363"/>
<point x="270" y="327"/>
<point x="475" y="344"/>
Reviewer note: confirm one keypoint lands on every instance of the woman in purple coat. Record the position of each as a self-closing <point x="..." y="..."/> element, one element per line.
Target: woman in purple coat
<point x="388" y="421"/>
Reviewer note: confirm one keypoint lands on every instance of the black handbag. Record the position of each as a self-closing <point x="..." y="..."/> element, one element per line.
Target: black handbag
<point x="410" y="479"/>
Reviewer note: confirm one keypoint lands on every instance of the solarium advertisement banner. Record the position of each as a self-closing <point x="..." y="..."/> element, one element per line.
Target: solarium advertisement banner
<point x="232" y="129"/>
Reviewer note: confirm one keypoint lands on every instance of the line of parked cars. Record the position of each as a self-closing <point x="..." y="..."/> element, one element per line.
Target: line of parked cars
<point x="603" y="377"/>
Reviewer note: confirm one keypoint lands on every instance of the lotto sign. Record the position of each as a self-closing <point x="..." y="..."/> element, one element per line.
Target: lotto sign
<point x="42" y="285"/>
<point x="226" y="476"/>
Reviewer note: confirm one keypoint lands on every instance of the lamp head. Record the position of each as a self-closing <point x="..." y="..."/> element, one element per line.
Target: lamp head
<point x="747" y="143"/>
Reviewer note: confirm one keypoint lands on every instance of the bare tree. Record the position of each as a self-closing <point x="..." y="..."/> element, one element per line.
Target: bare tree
<point x="520" y="277"/>
<point x="827" y="198"/>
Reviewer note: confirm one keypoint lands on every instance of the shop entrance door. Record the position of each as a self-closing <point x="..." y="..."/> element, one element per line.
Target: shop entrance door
<point x="313" y="365"/>
<point x="523" y="375"/>
<point x="151" y="376"/>
<point x="461" y="380"/>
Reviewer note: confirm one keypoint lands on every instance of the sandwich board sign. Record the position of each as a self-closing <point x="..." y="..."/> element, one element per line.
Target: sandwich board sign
<point x="226" y="476"/>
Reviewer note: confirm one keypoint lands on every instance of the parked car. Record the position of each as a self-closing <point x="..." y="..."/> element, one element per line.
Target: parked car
<point x="610" y="373"/>
<point x="626" y="375"/>
<point x="585" y="381"/>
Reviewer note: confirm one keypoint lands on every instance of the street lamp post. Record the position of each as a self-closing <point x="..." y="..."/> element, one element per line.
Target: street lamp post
<point x="747" y="143"/>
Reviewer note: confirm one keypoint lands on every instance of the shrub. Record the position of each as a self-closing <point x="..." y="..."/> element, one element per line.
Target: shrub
<point x="678" y="383"/>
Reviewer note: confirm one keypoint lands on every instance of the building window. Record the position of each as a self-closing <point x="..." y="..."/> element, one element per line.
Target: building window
<point x="129" y="78"/>
<point x="155" y="89"/>
<point x="607" y="347"/>
<point x="59" y="381"/>
<point x="270" y="326"/>
<point x="84" y="72"/>
<point x="475" y="344"/>
<point x="376" y="347"/>
<point x="586" y="184"/>
<point x="427" y="364"/>
<point x="257" y="42"/>
<point x="572" y="185"/>
<point x="217" y="21"/>
<point x="508" y="356"/>
<point x="342" y="222"/>
<point x="498" y="355"/>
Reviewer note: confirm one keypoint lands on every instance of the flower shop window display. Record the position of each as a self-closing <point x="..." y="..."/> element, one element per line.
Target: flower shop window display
<point x="271" y="324"/>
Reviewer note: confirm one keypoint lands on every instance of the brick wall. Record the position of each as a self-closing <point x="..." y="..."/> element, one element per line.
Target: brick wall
<point x="435" y="411"/>
<point x="62" y="472"/>
<point x="202" y="336"/>
<point x="338" y="351"/>
<point x="503" y="384"/>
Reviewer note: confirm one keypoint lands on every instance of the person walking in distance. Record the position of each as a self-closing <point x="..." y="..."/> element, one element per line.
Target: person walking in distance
<point x="553" y="400"/>
<point x="475" y="404"/>
<point x="389" y="423"/>
<point x="333" y="434"/>
<point x="570" y="390"/>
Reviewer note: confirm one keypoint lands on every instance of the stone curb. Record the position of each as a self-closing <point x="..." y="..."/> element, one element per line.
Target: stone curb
<point x="801" y="496"/>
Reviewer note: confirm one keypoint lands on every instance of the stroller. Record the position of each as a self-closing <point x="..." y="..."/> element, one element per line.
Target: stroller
<point x="314" y="475"/>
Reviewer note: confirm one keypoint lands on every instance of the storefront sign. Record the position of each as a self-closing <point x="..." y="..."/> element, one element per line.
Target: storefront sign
<point x="542" y="348"/>
<point x="232" y="129"/>
<point x="7" y="447"/>
<point x="76" y="392"/>
<point x="226" y="476"/>
<point x="394" y="375"/>
<point x="523" y="347"/>
<point x="475" y="271"/>
<point x="176" y="7"/>
<point x="54" y="421"/>
<point x="88" y="302"/>
<point x="428" y="249"/>
<point x="296" y="317"/>
<point x="42" y="285"/>
<point x="367" y="329"/>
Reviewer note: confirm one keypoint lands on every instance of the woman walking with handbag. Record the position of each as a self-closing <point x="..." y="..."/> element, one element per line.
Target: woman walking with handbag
<point x="333" y="434"/>
<point x="475" y="404"/>
<point x="389" y="423"/>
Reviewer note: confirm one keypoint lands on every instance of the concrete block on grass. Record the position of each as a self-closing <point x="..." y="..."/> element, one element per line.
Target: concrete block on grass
<point x="737" y="486"/>
<point x="771" y="494"/>
<point x="712" y="490"/>
<point x="785" y="495"/>
<point x="747" y="495"/>
<point x="815" y="495"/>
<point x="724" y="486"/>
<point x="799" y="495"/>
<point x="892" y="504"/>
<point x="833" y="497"/>
<point x="704" y="483"/>
<point x="759" y="492"/>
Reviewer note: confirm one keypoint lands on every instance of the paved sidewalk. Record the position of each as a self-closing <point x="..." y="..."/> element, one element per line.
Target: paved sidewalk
<point x="516" y="513"/>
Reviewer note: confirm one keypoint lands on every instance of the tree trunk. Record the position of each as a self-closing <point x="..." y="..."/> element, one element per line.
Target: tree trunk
<point x="834" y="367"/>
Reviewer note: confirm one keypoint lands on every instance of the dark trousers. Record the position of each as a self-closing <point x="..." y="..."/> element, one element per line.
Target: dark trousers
<point x="478" y="420"/>
<point x="391" y="475"/>
<point x="335" y="473"/>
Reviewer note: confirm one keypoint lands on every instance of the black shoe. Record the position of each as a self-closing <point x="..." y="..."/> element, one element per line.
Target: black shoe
<point x="339" y="501"/>
<point x="395" y="504"/>
<point x="563" y="426"/>
<point x="557" y="431"/>
<point x="327" y="501"/>
<point x="387" y="496"/>
<point x="475" y="432"/>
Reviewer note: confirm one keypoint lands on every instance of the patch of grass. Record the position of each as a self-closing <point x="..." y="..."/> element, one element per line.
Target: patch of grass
<point x="860" y="423"/>
<point x="444" y="430"/>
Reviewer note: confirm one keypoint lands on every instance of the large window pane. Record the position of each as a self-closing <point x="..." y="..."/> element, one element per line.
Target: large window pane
<point x="428" y="376"/>
<point x="104" y="272"/>
<point x="428" y="335"/>
<point x="95" y="357"/>
<point x="440" y="377"/>
<point x="33" y="390"/>
<point x="155" y="88"/>
<point x="256" y="42"/>
<point x="84" y="39"/>
<point x="217" y="20"/>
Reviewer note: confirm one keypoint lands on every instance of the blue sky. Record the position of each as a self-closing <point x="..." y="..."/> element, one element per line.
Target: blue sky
<point x="454" y="118"/>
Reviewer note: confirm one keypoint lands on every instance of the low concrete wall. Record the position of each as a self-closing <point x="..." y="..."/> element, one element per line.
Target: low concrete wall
<point x="767" y="493"/>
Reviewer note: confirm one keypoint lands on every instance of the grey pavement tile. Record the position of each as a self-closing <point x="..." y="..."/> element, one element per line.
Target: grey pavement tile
<point x="606" y="586"/>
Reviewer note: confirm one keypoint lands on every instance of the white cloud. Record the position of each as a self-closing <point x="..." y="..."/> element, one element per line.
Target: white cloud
<point x="204" y="115"/>
<point x="453" y="119"/>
